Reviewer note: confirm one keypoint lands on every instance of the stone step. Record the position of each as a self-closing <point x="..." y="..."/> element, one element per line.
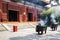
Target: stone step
<point x="2" y="28"/>
<point x="20" y="26"/>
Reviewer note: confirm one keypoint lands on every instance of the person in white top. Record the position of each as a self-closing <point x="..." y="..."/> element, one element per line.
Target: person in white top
<point x="41" y="22"/>
<point x="54" y="24"/>
<point x="41" y="26"/>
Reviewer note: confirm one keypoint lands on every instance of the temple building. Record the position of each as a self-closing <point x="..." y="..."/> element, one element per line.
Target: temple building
<point x="18" y="11"/>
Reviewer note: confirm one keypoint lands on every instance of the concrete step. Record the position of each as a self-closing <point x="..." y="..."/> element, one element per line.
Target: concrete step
<point x="20" y="26"/>
<point x="2" y="28"/>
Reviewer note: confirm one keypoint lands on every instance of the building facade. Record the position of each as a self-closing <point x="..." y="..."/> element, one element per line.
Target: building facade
<point x="17" y="12"/>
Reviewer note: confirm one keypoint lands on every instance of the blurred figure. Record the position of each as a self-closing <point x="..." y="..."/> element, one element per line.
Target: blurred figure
<point x="54" y="23"/>
<point x="41" y="27"/>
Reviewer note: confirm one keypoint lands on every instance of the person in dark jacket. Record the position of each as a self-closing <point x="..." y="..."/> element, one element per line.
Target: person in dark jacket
<point x="54" y="23"/>
<point x="41" y="26"/>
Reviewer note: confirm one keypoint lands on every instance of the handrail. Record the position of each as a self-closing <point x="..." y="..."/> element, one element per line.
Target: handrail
<point x="6" y="27"/>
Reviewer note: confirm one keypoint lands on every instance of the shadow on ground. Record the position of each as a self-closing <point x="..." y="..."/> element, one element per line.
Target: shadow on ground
<point x="34" y="36"/>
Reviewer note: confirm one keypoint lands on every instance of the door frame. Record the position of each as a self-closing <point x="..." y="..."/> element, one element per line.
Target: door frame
<point x="17" y="15"/>
<point x="31" y="17"/>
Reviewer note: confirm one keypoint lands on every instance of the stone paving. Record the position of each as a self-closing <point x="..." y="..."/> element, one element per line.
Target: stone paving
<point x="30" y="34"/>
<point x="18" y="24"/>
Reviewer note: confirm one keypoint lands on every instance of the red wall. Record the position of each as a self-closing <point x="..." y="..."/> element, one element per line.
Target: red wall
<point x="0" y="4"/>
<point x="21" y="10"/>
<point x="34" y="12"/>
<point x="23" y="17"/>
<point x="0" y="10"/>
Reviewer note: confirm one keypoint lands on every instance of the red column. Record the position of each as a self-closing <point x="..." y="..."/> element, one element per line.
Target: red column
<point x="0" y="4"/>
<point x="0" y="10"/>
<point x="0" y="15"/>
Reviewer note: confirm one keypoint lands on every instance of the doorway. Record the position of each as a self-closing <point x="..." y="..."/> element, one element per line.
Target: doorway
<point x="13" y="15"/>
<point x="30" y="17"/>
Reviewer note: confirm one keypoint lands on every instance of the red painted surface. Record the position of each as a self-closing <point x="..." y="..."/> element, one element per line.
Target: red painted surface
<point x="21" y="10"/>
<point x="34" y="12"/>
<point x="0" y="4"/>
<point x="0" y="10"/>
<point x="0" y="15"/>
<point x="15" y="28"/>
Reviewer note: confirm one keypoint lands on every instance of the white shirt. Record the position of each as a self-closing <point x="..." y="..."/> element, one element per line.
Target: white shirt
<point x="52" y="16"/>
<point x="41" y="22"/>
<point x="54" y="21"/>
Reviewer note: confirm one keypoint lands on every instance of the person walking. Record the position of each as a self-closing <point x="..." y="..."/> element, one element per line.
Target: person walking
<point x="41" y="27"/>
<point x="54" y="22"/>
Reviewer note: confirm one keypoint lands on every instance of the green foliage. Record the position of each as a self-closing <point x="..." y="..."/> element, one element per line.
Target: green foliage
<point x="49" y="11"/>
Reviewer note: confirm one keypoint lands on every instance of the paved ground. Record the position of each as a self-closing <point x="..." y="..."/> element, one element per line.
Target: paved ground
<point x="21" y="25"/>
<point x="30" y="34"/>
